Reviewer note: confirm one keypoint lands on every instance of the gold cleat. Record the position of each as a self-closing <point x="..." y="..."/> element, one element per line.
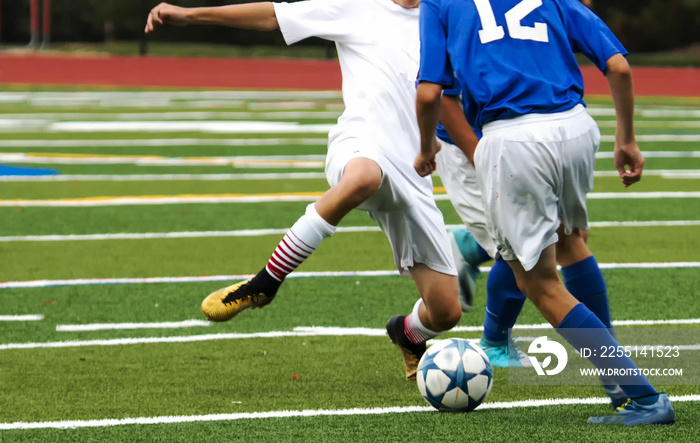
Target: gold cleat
<point x="226" y="303"/>
<point x="410" y="352"/>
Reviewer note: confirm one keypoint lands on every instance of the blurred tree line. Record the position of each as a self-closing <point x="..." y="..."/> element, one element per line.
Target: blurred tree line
<point x="641" y="25"/>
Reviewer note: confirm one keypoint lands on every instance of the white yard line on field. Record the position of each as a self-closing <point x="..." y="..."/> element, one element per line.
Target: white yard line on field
<point x="282" y="231"/>
<point x="665" y="173"/>
<point x="642" y="111"/>
<point x="217" y="127"/>
<point x="664" y="124"/>
<point x="269" y="198"/>
<point x="167" y="177"/>
<point x="268" y="161"/>
<point x="655" y="154"/>
<point x="73" y="424"/>
<point x="250" y="161"/>
<point x="210" y="278"/>
<point x="321" y="140"/>
<point x="121" y="326"/>
<point x="162" y="142"/>
<point x="184" y="115"/>
<point x="21" y="317"/>
<point x="62" y="97"/>
<point x="300" y="331"/>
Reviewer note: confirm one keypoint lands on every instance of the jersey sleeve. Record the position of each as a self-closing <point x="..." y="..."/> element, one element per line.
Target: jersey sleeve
<point x="454" y="88"/>
<point x="327" y="19"/>
<point x="589" y="35"/>
<point x="435" y="65"/>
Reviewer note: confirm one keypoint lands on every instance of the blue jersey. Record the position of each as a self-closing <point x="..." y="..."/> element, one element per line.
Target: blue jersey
<point x="512" y="57"/>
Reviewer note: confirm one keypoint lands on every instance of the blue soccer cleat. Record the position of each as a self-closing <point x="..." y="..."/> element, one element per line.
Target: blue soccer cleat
<point x="633" y="414"/>
<point x="465" y="249"/>
<point x="504" y="354"/>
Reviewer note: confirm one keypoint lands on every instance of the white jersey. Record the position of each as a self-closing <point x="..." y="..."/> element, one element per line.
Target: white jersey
<point x="378" y="49"/>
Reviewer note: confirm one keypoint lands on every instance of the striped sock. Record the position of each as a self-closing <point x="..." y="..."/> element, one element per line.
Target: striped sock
<point x="300" y="241"/>
<point x="414" y="329"/>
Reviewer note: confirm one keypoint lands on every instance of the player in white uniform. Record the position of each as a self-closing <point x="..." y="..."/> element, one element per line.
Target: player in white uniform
<point x="369" y="164"/>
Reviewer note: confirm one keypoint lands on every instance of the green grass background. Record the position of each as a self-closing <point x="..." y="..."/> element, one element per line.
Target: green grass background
<point x="255" y="374"/>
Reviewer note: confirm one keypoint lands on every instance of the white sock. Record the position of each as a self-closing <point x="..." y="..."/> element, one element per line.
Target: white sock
<point x="300" y="241"/>
<point x="414" y="329"/>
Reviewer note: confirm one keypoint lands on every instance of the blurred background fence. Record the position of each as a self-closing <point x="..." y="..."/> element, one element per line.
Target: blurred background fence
<point x="643" y="26"/>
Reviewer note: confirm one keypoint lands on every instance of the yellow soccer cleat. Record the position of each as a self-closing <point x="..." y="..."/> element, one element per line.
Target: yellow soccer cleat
<point x="410" y="352"/>
<point x="226" y="303"/>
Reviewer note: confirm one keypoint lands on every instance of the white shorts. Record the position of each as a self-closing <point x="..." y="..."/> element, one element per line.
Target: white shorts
<point x="459" y="179"/>
<point x="403" y="207"/>
<point x="534" y="174"/>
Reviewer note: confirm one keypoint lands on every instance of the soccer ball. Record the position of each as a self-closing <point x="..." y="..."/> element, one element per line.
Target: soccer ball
<point x="454" y="375"/>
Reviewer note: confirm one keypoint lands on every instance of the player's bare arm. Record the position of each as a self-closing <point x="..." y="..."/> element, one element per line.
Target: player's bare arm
<point x="256" y="16"/>
<point x="456" y="125"/>
<point x="428" y="110"/>
<point x="408" y="4"/>
<point x="629" y="160"/>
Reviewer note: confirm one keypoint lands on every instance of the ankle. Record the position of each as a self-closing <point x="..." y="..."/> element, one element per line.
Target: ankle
<point x="265" y="280"/>
<point x="485" y="342"/>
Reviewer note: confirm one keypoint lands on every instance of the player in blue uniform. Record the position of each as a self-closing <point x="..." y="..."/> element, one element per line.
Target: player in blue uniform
<point x="523" y="90"/>
<point x="504" y="300"/>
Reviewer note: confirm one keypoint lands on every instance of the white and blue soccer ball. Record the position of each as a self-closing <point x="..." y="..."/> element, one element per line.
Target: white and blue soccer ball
<point x="454" y="375"/>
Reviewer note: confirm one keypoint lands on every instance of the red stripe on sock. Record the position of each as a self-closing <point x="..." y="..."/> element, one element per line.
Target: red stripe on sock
<point x="413" y="335"/>
<point x="301" y="256"/>
<point x="285" y="260"/>
<point x="280" y="265"/>
<point x="275" y="271"/>
<point x="309" y="249"/>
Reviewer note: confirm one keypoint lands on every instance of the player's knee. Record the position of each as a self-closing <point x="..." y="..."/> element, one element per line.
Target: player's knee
<point x="447" y="316"/>
<point x="362" y="178"/>
<point x="367" y="185"/>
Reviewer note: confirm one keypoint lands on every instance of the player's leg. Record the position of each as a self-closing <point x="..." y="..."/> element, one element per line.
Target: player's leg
<point x="360" y="179"/>
<point x="504" y="300"/>
<point x="583" y="329"/>
<point x="560" y="193"/>
<point x="458" y="176"/>
<point x="523" y="206"/>
<point x="416" y="231"/>
<point x="437" y="311"/>
<point x="584" y="280"/>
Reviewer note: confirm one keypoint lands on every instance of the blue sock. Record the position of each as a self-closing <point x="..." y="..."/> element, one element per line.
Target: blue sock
<point x="585" y="282"/>
<point x="637" y="387"/>
<point x="504" y="301"/>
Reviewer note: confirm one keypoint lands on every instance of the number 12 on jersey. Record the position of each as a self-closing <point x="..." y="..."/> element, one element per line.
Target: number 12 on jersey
<point x="490" y="31"/>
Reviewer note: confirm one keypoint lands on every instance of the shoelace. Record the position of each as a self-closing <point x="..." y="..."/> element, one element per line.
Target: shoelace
<point x="624" y="406"/>
<point x="240" y="298"/>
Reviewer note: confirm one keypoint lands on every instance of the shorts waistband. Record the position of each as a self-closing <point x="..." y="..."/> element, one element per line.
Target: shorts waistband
<point x="532" y="118"/>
